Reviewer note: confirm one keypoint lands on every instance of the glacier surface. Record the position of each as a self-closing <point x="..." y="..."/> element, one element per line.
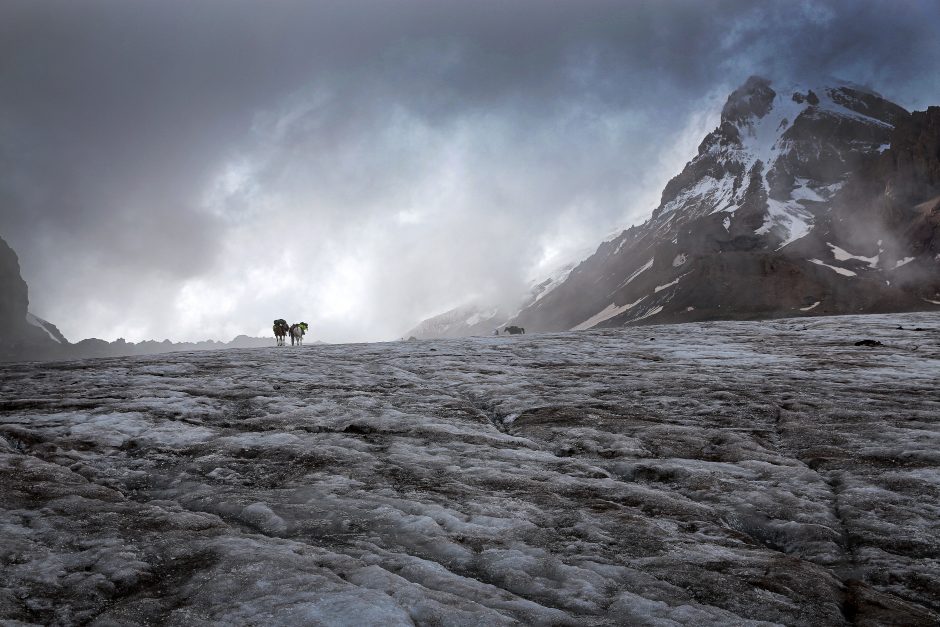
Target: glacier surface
<point x="726" y="473"/>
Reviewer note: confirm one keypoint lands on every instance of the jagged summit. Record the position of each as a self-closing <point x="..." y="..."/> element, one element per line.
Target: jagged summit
<point x="747" y="229"/>
<point x="779" y="149"/>
<point x="752" y="99"/>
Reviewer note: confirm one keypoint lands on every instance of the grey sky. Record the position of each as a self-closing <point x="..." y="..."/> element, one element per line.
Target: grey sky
<point x="195" y="169"/>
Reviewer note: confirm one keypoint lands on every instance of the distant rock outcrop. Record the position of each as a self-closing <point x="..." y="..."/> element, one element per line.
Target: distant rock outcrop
<point x="15" y="302"/>
<point x="22" y="335"/>
<point x="27" y="337"/>
<point x="93" y="347"/>
<point x="806" y="200"/>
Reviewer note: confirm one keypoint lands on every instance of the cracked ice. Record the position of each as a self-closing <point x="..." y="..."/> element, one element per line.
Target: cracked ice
<point x="713" y="473"/>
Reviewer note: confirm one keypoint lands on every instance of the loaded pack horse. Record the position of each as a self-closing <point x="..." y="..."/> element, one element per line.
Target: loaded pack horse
<point x="297" y="331"/>
<point x="280" y="331"/>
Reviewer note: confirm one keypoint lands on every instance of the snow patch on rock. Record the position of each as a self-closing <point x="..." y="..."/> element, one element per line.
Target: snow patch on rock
<point x="607" y="313"/>
<point x="646" y="266"/>
<point x="842" y="255"/>
<point x="660" y="288"/>
<point x="836" y="269"/>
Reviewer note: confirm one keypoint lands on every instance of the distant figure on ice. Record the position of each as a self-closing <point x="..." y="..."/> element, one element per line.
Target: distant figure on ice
<point x="514" y="330"/>
<point x="280" y="331"/>
<point x="297" y="331"/>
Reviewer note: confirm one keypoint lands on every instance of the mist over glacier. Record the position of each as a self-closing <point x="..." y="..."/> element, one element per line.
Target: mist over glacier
<point x="363" y="174"/>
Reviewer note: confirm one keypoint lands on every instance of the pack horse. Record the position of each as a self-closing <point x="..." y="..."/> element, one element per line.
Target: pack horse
<point x="281" y="330"/>
<point x="295" y="331"/>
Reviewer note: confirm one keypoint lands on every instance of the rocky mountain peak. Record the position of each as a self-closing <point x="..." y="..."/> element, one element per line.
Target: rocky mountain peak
<point x="914" y="161"/>
<point x="866" y="102"/>
<point x="808" y="198"/>
<point x="752" y="99"/>
<point x="801" y="140"/>
<point x="14" y="303"/>
<point x="22" y="335"/>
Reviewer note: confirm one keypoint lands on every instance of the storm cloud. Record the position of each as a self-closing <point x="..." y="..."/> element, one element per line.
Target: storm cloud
<point x="194" y="170"/>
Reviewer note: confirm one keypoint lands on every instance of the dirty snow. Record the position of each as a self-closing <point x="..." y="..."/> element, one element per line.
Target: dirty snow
<point x="718" y="473"/>
<point x="606" y="314"/>
<point x="711" y="194"/>
<point x="647" y="314"/>
<point x="790" y="217"/>
<point x="660" y="288"/>
<point x="842" y="255"/>
<point x="837" y="269"/>
<point x="646" y="266"/>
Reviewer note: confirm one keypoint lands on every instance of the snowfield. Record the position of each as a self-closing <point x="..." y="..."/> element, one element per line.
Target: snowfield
<point x="727" y="473"/>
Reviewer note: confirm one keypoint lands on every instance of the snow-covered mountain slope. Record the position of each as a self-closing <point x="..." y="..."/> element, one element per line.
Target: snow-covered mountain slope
<point x="698" y="474"/>
<point x="462" y="321"/>
<point x="757" y="224"/>
<point x="478" y="318"/>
